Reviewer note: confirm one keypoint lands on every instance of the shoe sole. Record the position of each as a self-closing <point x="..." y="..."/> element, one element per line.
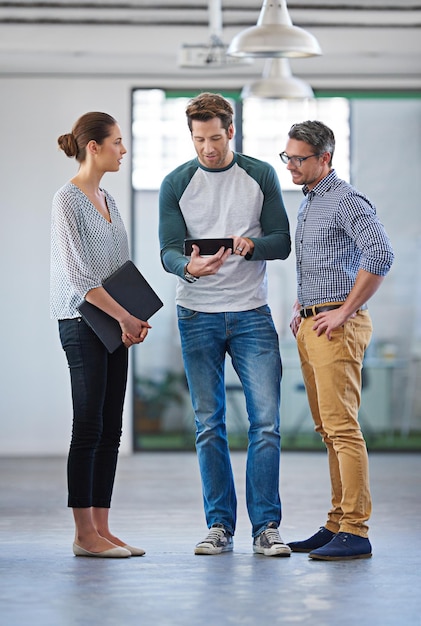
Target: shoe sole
<point x="302" y="550"/>
<point x="112" y="553"/>
<point x="318" y="557"/>
<point x="212" y="551"/>
<point x="267" y="552"/>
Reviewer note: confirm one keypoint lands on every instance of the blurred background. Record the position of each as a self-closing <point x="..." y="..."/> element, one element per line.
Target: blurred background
<point x="141" y="62"/>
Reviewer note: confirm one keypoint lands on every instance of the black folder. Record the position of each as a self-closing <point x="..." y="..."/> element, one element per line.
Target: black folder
<point x="133" y="292"/>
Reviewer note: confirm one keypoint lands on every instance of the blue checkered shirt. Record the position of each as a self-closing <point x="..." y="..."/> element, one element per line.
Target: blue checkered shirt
<point x="338" y="233"/>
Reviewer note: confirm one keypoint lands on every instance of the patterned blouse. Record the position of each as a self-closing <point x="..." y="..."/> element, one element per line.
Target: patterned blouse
<point x="85" y="248"/>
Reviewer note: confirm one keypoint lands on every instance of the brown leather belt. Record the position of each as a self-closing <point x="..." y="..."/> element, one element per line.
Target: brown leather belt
<point x="313" y="310"/>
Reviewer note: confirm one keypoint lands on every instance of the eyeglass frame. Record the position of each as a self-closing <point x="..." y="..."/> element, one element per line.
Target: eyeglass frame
<point x="296" y="160"/>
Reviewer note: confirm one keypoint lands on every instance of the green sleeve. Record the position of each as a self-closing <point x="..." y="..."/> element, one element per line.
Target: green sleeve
<point x="172" y="227"/>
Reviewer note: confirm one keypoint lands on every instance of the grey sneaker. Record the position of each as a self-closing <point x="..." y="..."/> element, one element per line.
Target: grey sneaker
<point x="218" y="540"/>
<point x="269" y="542"/>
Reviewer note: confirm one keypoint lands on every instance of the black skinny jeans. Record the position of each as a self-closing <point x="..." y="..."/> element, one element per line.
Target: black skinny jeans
<point x="98" y="381"/>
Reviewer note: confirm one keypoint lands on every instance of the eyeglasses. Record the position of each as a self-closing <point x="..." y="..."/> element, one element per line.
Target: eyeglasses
<point x="295" y="160"/>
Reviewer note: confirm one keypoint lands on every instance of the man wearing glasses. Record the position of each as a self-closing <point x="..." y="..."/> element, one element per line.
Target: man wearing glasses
<point x="342" y="256"/>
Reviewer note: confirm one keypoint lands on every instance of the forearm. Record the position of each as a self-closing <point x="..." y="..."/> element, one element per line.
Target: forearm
<point x="275" y="243"/>
<point x="273" y="246"/>
<point x="174" y="261"/>
<point x="102" y="299"/>
<point x="365" y="286"/>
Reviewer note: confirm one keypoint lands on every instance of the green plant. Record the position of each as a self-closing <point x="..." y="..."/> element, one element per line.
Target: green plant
<point x="154" y="395"/>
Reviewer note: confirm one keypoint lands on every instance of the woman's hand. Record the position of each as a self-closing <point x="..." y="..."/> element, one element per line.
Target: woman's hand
<point x="133" y="330"/>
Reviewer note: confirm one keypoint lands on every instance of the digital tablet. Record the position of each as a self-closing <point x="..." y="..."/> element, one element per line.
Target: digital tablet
<point x="208" y="246"/>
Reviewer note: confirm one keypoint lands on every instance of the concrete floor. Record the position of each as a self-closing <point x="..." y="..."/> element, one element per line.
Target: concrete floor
<point x="157" y="505"/>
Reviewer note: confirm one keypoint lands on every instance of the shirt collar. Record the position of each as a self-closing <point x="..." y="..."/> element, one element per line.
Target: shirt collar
<point x="324" y="185"/>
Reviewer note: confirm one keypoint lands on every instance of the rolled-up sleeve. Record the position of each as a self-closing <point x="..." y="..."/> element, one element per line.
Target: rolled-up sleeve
<point x="362" y="224"/>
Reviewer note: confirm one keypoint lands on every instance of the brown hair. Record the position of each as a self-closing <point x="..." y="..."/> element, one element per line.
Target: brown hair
<point x="206" y="106"/>
<point x="90" y="126"/>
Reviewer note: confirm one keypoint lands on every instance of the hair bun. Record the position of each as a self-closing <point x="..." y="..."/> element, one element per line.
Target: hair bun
<point x="68" y="144"/>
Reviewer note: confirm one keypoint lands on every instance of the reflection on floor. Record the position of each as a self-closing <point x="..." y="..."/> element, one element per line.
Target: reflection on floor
<point x="157" y="505"/>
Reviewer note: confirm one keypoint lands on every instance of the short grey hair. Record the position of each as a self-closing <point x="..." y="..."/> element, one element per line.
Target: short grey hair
<point x="316" y="134"/>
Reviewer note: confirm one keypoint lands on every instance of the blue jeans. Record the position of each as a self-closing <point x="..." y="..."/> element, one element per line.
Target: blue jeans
<point x="98" y="381"/>
<point x="250" y="338"/>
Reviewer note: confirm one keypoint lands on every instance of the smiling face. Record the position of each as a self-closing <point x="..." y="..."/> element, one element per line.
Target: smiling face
<point x="211" y="142"/>
<point x="110" y="152"/>
<point x="312" y="170"/>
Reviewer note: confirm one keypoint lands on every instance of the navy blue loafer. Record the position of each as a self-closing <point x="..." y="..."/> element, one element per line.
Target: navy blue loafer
<point x="319" y="539"/>
<point x="343" y="546"/>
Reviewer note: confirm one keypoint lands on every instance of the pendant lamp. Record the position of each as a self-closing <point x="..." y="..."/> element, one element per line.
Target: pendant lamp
<point x="274" y="36"/>
<point x="277" y="82"/>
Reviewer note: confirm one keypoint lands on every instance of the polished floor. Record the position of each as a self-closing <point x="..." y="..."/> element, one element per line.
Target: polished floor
<point x="157" y="505"/>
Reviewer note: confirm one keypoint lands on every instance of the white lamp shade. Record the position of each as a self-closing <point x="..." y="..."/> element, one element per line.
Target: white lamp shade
<point x="274" y="36"/>
<point x="277" y="83"/>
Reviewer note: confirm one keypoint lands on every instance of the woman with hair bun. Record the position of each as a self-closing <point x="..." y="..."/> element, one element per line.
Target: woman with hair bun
<point x="88" y="243"/>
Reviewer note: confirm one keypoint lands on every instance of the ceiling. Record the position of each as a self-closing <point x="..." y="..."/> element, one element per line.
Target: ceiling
<point x="366" y="44"/>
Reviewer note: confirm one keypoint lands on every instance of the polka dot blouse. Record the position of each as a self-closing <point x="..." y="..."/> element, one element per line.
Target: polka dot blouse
<point x="85" y="248"/>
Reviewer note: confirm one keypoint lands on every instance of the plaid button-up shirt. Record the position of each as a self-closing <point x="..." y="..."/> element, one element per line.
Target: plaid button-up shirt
<point x="338" y="233"/>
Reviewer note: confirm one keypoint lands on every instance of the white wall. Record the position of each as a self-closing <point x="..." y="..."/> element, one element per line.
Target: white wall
<point x="386" y="164"/>
<point x="35" y="406"/>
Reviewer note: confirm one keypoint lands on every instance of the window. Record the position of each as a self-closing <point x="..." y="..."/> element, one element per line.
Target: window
<point x="266" y="124"/>
<point x="161" y="139"/>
